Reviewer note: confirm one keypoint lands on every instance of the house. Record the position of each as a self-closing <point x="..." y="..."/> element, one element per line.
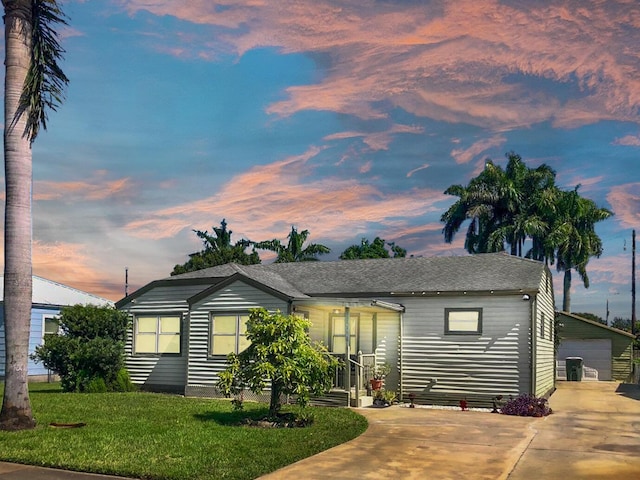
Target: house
<point x="467" y="327"/>
<point x="48" y="298"/>
<point x="605" y="349"/>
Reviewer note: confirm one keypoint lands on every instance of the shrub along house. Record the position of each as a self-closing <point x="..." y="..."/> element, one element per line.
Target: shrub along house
<point x="452" y="328"/>
<point x="48" y="298"/>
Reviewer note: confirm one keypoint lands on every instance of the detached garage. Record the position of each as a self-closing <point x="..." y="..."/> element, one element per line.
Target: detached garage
<point x="606" y="349"/>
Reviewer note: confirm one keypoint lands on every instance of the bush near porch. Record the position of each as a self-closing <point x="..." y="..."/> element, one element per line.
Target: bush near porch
<point x="156" y="436"/>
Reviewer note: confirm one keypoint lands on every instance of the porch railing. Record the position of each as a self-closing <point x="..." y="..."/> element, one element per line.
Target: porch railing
<point x="361" y="368"/>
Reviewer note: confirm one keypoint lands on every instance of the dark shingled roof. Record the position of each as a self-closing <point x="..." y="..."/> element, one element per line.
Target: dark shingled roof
<point x="471" y="273"/>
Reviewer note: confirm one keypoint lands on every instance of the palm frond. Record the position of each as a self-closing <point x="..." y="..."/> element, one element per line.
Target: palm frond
<point x="45" y="82"/>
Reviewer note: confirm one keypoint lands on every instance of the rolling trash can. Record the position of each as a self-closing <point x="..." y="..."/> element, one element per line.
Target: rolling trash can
<point x="574" y="369"/>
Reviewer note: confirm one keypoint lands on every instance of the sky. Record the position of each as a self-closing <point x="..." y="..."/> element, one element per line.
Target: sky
<point x="346" y="118"/>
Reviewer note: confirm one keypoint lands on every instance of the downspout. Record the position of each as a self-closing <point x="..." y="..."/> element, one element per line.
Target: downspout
<point x="400" y="360"/>
<point x="534" y="345"/>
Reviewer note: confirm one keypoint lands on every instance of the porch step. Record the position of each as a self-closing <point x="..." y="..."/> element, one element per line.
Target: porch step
<point x="363" y="401"/>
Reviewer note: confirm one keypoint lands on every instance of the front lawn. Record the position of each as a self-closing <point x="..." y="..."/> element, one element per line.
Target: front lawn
<point x="155" y="436"/>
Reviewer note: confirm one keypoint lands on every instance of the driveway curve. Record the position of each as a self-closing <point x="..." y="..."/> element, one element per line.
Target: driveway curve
<point x="593" y="434"/>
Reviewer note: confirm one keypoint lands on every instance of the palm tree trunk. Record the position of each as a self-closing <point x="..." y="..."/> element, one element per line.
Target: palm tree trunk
<point x="16" y="411"/>
<point x="566" y="291"/>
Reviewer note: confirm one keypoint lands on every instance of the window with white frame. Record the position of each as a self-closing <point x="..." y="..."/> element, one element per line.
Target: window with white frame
<point x="157" y="334"/>
<point x="228" y="334"/>
<point x="50" y="325"/>
<point x="462" y="321"/>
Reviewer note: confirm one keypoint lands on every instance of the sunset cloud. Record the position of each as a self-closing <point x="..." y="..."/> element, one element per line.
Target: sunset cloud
<point x="462" y="61"/>
<point x="99" y="188"/>
<point x="625" y="202"/>
<point x="269" y="199"/>
<point x="466" y="155"/>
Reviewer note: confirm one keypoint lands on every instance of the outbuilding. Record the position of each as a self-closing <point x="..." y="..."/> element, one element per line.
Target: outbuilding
<point x="605" y="349"/>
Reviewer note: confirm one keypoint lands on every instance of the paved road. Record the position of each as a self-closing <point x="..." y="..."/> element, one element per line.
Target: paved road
<point x="594" y="434"/>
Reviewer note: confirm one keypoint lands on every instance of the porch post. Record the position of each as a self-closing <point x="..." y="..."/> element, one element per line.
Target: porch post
<point x="347" y="337"/>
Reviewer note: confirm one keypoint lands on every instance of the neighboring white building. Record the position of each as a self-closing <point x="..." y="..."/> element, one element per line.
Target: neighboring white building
<point x="48" y="299"/>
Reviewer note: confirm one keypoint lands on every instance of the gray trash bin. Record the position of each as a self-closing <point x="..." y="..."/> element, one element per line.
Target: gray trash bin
<point x="574" y="369"/>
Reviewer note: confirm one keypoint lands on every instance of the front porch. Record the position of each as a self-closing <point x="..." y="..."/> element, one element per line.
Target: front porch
<point x="363" y="334"/>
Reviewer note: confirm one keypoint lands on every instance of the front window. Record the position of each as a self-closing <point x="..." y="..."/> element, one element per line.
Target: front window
<point x="228" y="334"/>
<point x="157" y="334"/>
<point x="462" y="321"/>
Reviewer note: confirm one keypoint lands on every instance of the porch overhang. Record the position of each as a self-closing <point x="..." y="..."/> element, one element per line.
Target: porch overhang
<point x="369" y="304"/>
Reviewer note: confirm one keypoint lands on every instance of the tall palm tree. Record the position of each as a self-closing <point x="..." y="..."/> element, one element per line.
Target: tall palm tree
<point x="573" y="238"/>
<point x="294" y="251"/>
<point x="501" y="206"/>
<point x="33" y="83"/>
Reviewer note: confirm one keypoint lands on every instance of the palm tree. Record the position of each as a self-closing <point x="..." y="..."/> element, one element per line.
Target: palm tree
<point x="33" y="83"/>
<point x="501" y="206"/>
<point x="573" y="238"/>
<point x="294" y="251"/>
<point x="218" y="250"/>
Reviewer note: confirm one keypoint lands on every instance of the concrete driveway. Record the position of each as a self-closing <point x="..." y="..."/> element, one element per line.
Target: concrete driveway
<point x="593" y="434"/>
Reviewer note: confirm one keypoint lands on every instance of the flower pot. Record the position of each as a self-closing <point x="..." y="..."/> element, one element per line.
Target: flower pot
<point x="375" y="384"/>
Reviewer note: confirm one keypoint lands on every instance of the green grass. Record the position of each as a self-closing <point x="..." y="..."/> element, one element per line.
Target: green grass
<point x="154" y="436"/>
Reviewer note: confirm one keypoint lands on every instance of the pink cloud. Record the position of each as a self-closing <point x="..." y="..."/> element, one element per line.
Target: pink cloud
<point x="444" y="60"/>
<point x="415" y="170"/>
<point x="625" y="202"/>
<point x="70" y="264"/>
<point x="466" y="155"/>
<point x="268" y="199"/>
<point x="628" y="140"/>
<point x="97" y="189"/>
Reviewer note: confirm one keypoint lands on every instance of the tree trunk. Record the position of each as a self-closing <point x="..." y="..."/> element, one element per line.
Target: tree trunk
<point x="16" y="408"/>
<point x="566" y="291"/>
<point x="274" y="405"/>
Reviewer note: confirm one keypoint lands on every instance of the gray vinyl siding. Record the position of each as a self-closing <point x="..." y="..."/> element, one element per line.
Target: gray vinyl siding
<point x="446" y="368"/>
<point x="388" y="346"/>
<point x="544" y="341"/>
<point x="161" y="372"/>
<point x="621" y="344"/>
<point x="237" y="297"/>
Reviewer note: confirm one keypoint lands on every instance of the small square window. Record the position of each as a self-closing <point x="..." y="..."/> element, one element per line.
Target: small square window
<point x="462" y="321"/>
<point x="51" y="325"/>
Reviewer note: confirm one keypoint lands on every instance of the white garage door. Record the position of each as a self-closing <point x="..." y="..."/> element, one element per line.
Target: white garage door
<point x="596" y="354"/>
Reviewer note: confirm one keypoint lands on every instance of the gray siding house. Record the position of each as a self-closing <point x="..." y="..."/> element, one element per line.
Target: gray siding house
<point x="452" y="328"/>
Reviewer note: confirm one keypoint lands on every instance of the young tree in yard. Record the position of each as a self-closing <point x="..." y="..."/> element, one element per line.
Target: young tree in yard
<point x="281" y="356"/>
<point x="33" y="83"/>
<point x="89" y="354"/>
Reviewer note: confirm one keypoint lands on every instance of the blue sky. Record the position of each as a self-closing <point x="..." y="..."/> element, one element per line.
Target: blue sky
<point x="346" y="118"/>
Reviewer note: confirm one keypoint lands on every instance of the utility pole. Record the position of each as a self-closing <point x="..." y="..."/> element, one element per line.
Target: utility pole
<point x="633" y="282"/>
<point x="126" y="281"/>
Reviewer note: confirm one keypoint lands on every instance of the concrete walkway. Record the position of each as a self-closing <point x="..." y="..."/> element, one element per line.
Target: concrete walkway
<point x="594" y="434"/>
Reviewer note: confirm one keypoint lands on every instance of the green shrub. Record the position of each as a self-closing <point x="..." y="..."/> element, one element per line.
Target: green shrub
<point x="123" y="382"/>
<point x="90" y="347"/>
<point x="96" y="385"/>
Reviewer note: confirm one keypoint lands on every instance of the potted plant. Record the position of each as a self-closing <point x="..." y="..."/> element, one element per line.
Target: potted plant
<point x="377" y="375"/>
<point x="384" y="398"/>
